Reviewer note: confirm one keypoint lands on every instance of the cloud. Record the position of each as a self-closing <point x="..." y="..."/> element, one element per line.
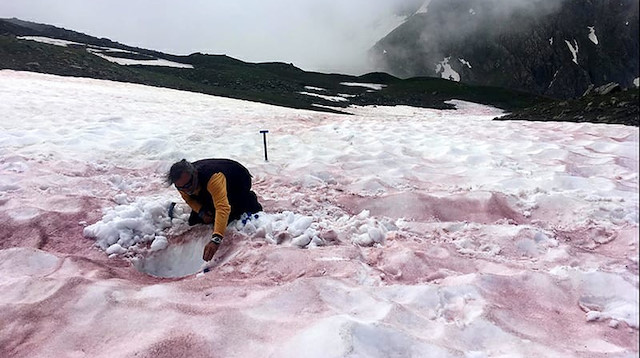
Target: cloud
<point x="328" y="36"/>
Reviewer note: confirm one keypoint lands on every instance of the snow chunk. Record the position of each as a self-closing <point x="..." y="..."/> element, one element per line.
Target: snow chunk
<point x="592" y="34"/>
<point x="159" y="243"/>
<point x="127" y="225"/>
<point x="308" y="231"/>
<point x="121" y="199"/>
<point x="311" y="88"/>
<point x="115" y="249"/>
<point x="300" y="225"/>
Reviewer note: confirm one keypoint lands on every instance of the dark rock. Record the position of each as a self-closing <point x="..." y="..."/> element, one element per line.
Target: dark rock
<point x="608" y="88"/>
<point x="589" y="90"/>
<point x="614" y="108"/>
<point x="524" y="45"/>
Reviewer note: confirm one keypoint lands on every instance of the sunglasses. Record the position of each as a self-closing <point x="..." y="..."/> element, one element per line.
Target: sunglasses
<point x="187" y="185"/>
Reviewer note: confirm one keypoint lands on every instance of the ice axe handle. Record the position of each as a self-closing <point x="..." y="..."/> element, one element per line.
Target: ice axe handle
<point x="264" y="139"/>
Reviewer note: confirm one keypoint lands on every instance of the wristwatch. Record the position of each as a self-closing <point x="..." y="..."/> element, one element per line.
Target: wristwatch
<point x="216" y="238"/>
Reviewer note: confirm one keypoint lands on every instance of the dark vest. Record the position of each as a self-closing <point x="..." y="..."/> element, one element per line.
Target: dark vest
<point x="238" y="180"/>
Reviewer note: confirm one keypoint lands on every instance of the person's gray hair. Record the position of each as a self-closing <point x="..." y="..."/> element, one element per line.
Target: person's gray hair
<point x="177" y="169"/>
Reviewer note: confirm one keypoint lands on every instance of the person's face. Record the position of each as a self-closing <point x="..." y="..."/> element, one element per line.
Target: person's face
<point x="186" y="183"/>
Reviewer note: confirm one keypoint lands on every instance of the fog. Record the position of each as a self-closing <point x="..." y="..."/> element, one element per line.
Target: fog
<point x="326" y="36"/>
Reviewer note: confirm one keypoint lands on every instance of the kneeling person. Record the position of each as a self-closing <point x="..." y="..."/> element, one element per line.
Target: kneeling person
<point x="218" y="191"/>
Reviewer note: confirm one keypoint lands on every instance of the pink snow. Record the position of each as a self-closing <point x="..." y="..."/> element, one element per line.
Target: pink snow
<point x="486" y="238"/>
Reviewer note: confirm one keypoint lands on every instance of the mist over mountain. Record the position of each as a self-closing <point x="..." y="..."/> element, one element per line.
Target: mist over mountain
<point x="557" y="48"/>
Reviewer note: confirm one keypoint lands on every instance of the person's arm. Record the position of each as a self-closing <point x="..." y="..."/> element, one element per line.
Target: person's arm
<point x="217" y="187"/>
<point x="194" y="204"/>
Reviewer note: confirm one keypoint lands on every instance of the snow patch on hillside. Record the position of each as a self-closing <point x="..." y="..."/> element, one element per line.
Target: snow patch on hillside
<point x="592" y="34"/>
<point x="98" y="51"/>
<point x="574" y="50"/>
<point x="445" y="71"/>
<point x="49" y="41"/>
<point x="424" y="8"/>
<point x="328" y="98"/>
<point x="373" y="86"/>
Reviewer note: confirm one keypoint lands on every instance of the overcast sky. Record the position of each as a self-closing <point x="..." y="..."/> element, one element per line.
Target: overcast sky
<point x="318" y="35"/>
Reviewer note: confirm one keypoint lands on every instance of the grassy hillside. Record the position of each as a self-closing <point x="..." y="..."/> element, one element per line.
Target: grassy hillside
<point x="273" y="83"/>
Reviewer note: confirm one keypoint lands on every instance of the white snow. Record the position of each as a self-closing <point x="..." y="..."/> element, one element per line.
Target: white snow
<point x="50" y="41"/>
<point x="328" y="98"/>
<point x="604" y="296"/>
<point x="550" y="40"/>
<point x="555" y="75"/>
<point x="636" y="82"/>
<point x="97" y="50"/>
<point x="592" y="34"/>
<point x="159" y="243"/>
<point x="472" y="12"/>
<point x="156" y="62"/>
<point x="393" y="231"/>
<point x="574" y="50"/>
<point x="65" y="43"/>
<point x="465" y="62"/>
<point x="445" y="71"/>
<point x="373" y="86"/>
<point x="128" y="61"/>
<point x="311" y="88"/>
<point x="130" y="224"/>
<point x="424" y="7"/>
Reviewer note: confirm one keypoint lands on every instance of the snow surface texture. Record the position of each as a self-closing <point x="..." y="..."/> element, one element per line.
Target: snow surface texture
<point x="396" y="231"/>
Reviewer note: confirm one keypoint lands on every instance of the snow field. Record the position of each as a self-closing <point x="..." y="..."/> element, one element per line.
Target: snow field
<point x="395" y="230"/>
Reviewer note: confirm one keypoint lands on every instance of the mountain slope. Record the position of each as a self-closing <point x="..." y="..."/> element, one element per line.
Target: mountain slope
<point x="552" y="48"/>
<point x="22" y="48"/>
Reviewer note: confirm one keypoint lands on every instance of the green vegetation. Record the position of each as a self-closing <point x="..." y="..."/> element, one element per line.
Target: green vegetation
<point x="278" y="83"/>
<point x="272" y="83"/>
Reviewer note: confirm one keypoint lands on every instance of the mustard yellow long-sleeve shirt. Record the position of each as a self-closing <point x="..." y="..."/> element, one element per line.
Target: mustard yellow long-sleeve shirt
<point x="217" y="187"/>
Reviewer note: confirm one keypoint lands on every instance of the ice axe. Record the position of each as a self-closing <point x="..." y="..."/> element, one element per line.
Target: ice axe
<point x="264" y="139"/>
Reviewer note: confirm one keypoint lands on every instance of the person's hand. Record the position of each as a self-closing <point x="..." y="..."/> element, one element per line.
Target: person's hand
<point x="207" y="217"/>
<point x="210" y="250"/>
